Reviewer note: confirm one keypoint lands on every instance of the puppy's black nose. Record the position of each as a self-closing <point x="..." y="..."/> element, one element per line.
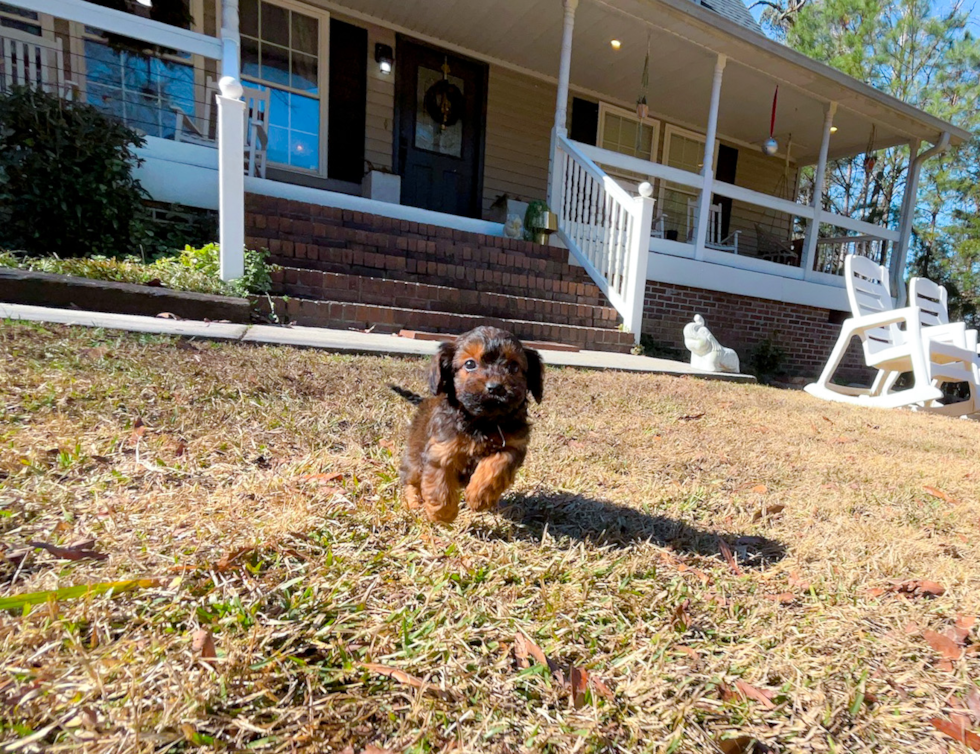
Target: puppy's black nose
<point x="496" y="388"/>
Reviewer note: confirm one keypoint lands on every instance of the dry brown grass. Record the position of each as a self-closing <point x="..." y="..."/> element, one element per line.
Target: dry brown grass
<point x="608" y="556"/>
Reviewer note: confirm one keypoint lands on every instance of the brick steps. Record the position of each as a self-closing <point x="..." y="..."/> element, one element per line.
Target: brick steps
<point x="346" y="269"/>
<point x="391" y="319"/>
<point x="314" y="284"/>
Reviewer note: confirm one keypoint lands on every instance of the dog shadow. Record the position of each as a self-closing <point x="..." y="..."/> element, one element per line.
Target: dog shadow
<point x="577" y="518"/>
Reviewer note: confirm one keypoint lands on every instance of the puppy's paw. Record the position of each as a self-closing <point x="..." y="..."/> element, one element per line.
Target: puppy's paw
<point x="413" y="497"/>
<point x="442" y="514"/>
<point x="481" y="499"/>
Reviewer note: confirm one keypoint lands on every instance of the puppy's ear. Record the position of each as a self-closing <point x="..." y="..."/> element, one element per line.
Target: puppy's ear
<point x="535" y="374"/>
<point x="441" y="372"/>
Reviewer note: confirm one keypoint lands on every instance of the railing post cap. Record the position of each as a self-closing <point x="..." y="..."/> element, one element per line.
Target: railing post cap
<point x="230" y="87"/>
<point x="646" y="189"/>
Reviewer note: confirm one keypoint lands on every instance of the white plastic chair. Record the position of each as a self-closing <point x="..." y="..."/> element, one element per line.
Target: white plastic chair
<point x="892" y="350"/>
<point x="256" y="119"/>
<point x="28" y="60"/>
<point x="713" y="240"/>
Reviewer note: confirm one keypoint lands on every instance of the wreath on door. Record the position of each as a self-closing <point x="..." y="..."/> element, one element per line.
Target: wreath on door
<point x="443" y="101"/>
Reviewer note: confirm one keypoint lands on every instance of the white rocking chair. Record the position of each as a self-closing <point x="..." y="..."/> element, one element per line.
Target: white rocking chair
<point x="256" y="119"/>
<point x="713" y="240"/>
<point x="892" y="350"/>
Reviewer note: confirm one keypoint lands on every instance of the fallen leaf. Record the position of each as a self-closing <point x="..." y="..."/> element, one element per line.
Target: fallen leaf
<point x="692" y="653"/>
<point x="798" y="581"/>
<point x="843" y="440"/>
<point x="726" y="553"/>
<point x="229" y="559"/>
<point x="960" y="630"/>
<point x="680" y="620"/>
<point x="524" y="648"/>
<point x="181" y="449"/>
<point x="203" y="643"/>
<point x="602" y="689"/>
<point x="79" y="551"/>
<point x="760" y="489"/>
<point x="579" y="682"/>
<point x="786" y="598"/>
<point x="955" y="732"/>
<point x="742" y="745"/>
<point x="829" y="421"/>
<point x="690" y="417"/>
<point x="936" y="492"/>
<point x="322" y="478"/>
<point x="96" y="353"/>
<point x="409" y="680"/>
<point x="942" y="644"/>
<point x="727" y="694"/>
<point x="875" y="592"/>
<point x="973" y="702"/>
<point x="768" y="510"/>
<point x="762" y="696"/>
<point x="920" y="588"/>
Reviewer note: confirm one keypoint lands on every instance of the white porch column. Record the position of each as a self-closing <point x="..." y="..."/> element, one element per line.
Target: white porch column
<point x="707" y="166"/>
<point x="565" y="65"/>
<point x="561" y="104"/>
<point x="231" y="148"/>
<point x="900" y="252"/>
<point x="819" y="179"/>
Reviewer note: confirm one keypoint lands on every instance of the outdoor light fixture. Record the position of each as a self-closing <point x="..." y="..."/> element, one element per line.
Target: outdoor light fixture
<point x="385" y="57"/>
<point x="616" y="44"/>
<point x="833" y="129"/>
<point x="146" y="3"/>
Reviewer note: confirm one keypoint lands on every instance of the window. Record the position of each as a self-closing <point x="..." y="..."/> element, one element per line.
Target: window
<point x="623" y="132"/>
<point x="281" y="52"/>
<point x="140" y="91"/>
<point x="27" y="21"/>
<point x="683" y="150"/>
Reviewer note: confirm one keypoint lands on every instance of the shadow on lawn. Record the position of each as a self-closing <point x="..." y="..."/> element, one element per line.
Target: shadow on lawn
<point x="600" y="522"/>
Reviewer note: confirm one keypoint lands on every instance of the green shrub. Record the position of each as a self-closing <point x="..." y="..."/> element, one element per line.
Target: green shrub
<point x="205" y="260"/>
<point x="766" y="359"/>
<point x="192" y="270"/>
<point x="66" y="178"/>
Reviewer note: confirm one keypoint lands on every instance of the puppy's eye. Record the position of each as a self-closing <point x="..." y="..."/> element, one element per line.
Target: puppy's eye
<point x="469" y="365"/>
<point x="513" y="367"/>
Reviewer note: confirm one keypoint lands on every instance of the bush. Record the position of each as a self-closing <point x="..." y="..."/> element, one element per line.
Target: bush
<point x="192" y="270"/>
<point x="66" y="178"/>
<point x="205" y="261"/>
<point x="766" y="360"/>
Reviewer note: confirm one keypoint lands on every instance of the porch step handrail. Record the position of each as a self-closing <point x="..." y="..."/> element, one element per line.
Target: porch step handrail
<point x="604" y="228"/>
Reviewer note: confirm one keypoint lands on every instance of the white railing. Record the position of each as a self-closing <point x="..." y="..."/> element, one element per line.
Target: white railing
<point x="831" y="252"/>
<point x="231" y="110"/>
<point x="604" y="228"/>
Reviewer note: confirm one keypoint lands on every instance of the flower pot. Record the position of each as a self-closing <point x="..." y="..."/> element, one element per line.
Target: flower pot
<point x="382" y="187"/>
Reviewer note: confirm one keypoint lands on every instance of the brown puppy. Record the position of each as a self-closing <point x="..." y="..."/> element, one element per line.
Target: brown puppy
<point x="473" y="434"/>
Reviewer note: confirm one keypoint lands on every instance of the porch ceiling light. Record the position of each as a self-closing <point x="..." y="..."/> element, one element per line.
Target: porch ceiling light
<point x="385" y="57"/>
<point x="146" y="3"/>
<point x="833" y="129"/>
<point x="615" y="44"/>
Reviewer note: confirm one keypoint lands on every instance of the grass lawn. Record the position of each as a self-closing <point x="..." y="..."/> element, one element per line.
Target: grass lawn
<point x="724" y="562"/>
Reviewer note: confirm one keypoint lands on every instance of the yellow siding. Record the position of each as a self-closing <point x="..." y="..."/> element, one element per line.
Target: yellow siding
<point x="520" y="112"/>
<point x="763" y="174"/>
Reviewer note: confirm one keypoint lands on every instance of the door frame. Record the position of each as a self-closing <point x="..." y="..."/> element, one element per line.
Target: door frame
<point x="400" y="41"/>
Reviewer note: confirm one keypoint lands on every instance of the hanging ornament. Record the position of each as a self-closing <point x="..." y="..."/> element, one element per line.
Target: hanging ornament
<point x="642" y="110"/>
<point x="771" y="146"/>
<point x="870" y="158"/>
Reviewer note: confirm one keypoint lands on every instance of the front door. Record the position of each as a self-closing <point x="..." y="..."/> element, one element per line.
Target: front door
<point x="440" y="102"/>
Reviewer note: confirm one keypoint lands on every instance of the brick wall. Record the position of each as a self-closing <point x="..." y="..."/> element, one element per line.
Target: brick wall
<point x="803" y="332"/>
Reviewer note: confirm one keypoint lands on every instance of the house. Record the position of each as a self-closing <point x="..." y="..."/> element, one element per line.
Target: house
<point x="459" y="110"/>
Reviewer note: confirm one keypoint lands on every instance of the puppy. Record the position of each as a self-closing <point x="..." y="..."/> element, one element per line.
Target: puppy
<point x="472" y="435"/>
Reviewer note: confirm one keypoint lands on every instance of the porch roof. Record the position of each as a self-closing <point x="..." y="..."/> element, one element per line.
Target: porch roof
<point x="684" y="40"/>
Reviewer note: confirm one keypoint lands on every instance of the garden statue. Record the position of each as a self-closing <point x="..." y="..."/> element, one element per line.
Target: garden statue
<point x="706" y="352"/>
<point x="514" y="227"/>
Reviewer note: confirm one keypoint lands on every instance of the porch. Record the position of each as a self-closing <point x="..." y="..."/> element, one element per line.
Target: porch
<point x="706" y="223"/>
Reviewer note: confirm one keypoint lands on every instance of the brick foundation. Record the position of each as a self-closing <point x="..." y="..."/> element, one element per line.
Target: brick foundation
<point x="804" y="333"/>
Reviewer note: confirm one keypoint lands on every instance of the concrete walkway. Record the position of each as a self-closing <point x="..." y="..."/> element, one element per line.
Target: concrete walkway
<point x="339" y="341"/>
